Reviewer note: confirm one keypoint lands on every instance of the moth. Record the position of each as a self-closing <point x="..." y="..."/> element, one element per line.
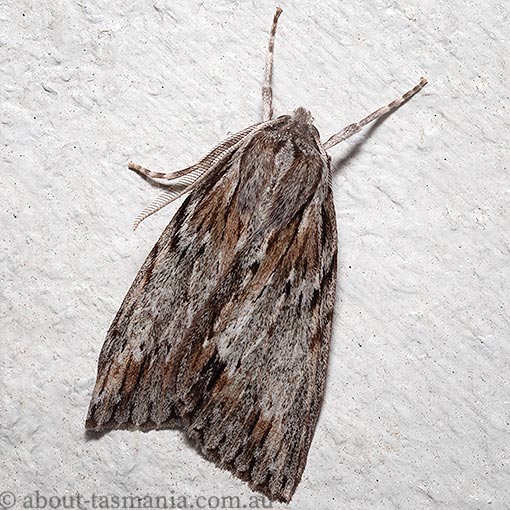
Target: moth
<point x="225" y="331"/>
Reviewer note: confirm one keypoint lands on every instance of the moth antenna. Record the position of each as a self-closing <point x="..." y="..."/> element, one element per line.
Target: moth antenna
<point x="213" y="157"/>
<point x="190" y="176"/>
<point x="267" y="91"/>
<point x="352" y="129"/>
<point x="165" y="198"/>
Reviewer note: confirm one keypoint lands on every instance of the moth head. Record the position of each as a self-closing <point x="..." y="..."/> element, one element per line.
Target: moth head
<point x="302" y="122"/>
<point x="301" y="116"/>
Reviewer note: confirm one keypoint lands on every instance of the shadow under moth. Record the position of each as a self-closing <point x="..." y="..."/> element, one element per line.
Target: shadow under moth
<point x="225" y="331"/>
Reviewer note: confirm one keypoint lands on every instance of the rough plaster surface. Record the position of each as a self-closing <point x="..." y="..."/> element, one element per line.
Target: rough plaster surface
<point x="416" y="413"/>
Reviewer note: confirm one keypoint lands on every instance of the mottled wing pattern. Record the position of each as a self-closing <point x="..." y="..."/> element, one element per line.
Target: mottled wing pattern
<point x="248" y="378"/>
<point x="171" y="286"/>
<point x="173" y="283"/>
<point x="226" y="328"/>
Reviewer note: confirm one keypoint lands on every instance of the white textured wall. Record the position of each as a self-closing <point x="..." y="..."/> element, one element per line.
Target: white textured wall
<point x="417" y="409"/>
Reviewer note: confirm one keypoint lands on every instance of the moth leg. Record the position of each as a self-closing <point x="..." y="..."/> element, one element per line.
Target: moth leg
<point x="267" y="91"/>
<point x="352" y="129"/>
<point x="213" y="157"/>
<point x="145" y="171"/>
<point x="187" y="177"/>
<point x="182" y="175"/>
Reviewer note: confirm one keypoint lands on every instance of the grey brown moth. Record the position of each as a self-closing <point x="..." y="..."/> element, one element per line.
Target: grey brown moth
<point x="225" y="330"/>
